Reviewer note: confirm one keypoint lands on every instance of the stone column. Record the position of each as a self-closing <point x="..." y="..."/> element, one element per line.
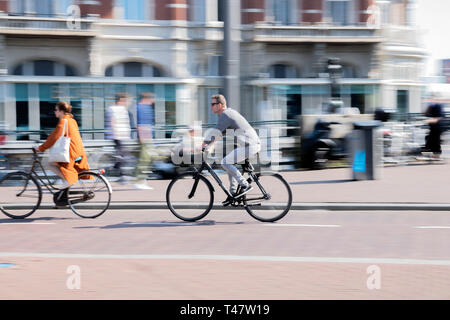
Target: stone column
<point x="3" y="67"/>
<point x="95" y="59"/>
<point x="319" y="59"/>
<point x="376" y="60"/>
<point x="34" y="110"/>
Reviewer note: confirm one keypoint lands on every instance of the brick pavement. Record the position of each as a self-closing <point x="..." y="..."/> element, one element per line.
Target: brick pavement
<point x="223" y="280"/>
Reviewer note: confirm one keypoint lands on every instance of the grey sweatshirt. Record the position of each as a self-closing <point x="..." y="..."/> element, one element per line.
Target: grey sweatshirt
<point x="243" y="131"/>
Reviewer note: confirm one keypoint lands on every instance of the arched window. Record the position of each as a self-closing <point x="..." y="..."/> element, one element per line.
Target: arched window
<point x="282" y="71"/>
<point x="43" y="68"/>
<point x="348" y="71"/>
<point x="132" y="69"/>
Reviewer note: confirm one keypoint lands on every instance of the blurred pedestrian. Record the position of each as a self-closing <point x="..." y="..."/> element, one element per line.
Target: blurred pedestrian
<point x="68" y="172"/>
<point x="145" y="124"/>
<point x="433" y="140"/>
<point x="118" y="129"/>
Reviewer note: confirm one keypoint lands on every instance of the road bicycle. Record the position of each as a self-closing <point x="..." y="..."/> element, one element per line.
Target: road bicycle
<point x="190" y="196"/>
<point x="21" y="192"/>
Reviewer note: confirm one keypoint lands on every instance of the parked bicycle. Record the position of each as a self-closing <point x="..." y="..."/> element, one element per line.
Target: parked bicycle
<point x="190" y="196"/>
<point x="22" y="192"/>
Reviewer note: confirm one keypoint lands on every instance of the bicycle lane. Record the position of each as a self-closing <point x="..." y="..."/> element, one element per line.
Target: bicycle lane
<point x="150" y="255"/>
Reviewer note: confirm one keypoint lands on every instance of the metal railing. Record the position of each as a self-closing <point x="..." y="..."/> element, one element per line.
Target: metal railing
<point x="16" y="153"/>
<point x="51" y="23"/>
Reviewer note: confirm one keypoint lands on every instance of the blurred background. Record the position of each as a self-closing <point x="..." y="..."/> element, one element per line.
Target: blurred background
<point x="284" y="64"/>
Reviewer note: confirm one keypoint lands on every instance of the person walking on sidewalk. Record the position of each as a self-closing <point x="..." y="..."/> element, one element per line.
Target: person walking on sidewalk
<point x="247" y="142"/>
<point x="68" y="172"/>
<point x="433" y="139"/>
<point x="145" y="123"/>
<point x="118" y="129"/>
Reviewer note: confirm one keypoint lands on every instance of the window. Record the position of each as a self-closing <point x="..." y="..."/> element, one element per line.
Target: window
<point x="43" y="68"/>
<point x="214" y="65"/>
<point x="62" y="5"/>
<point x="22" y="122"/>
<point x="109" y="71"/>
<point x="69" y="71"/>
<point x="220" y="10"/>
<point x="339" y="11"/>
<point x="44" y="8"/>
<point x="281" y="11"/>
<point x="132" y="69"/>
<point x="18" y="70"/>
<point x="282" y="71"/>
<point x="47" y="101"/>
<point x="402" y="102"/>
<point x="132" y="10"/>
<point x="20" y="7"/>
<point x="198" y="10"/>
<point x="348" y="71"/>
<point x="357" y="100"/>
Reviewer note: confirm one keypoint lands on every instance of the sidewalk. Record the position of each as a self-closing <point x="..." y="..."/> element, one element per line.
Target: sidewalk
<point x="419" y="186"/>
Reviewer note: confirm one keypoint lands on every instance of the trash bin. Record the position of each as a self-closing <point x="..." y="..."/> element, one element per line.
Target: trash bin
<point x="366" y="150"/>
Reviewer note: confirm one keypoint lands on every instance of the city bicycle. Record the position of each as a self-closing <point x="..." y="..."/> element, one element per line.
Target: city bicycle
<point x="190" y="196"/>
<point x="21" y="192"/>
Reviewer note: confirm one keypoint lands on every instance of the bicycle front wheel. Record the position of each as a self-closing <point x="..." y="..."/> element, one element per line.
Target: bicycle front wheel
<point x="90" y="196"/>
<point x="190" y="196"/>
<point x="270" y="199"/>
<point x="21" y="195"/>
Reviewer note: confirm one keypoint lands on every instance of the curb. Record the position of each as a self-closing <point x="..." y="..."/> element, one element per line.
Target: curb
<point x="304" y="206"/>
<point x="331" y="206"/>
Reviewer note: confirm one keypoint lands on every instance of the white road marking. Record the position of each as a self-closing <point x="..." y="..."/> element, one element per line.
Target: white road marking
<point x="302" y="225"/>
<point x="433" y="227"/>
<point x="397" y="261"/>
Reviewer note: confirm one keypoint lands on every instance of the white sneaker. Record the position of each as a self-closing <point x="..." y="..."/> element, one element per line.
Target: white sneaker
<point x="125" y="180"/>
<point x="142" y="186"/>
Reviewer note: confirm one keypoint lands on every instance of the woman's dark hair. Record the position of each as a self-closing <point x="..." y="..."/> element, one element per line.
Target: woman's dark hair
<point x="64" y="106"/>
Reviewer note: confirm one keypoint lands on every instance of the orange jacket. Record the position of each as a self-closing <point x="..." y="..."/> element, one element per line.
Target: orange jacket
<point x="69" y="170"/>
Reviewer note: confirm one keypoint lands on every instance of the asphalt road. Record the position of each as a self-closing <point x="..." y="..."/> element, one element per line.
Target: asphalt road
<point x="149" y="254"/>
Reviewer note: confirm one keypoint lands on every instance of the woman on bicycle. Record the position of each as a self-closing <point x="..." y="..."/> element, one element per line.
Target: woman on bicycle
<point x="68" y="172"/>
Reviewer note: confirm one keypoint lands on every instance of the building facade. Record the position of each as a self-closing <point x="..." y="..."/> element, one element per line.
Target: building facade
<point x="86" y="51"/>
<point x="445" y="69"/>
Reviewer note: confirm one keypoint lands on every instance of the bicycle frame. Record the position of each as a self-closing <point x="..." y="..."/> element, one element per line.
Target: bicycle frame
<point x="206" y="166"/>
<point x="31" y="172"/>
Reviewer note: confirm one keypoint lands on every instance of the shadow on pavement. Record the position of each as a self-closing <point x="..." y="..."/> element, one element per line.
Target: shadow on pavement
<point x="160" y="224"/>
<point x="29" y="220"/>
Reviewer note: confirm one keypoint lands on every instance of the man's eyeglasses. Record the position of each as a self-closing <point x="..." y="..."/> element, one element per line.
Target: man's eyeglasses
<point x="214" y="103"/>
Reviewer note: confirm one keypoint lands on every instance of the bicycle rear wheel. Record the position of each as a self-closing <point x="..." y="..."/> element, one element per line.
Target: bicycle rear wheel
<point x="90" y="196"/>
<point x="190" y="199"/>
<point x="270" y="199"/>
<point x="21" y="195"/>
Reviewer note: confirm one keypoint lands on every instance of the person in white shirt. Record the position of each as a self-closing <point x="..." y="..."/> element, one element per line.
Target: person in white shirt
<point x="118" y="128"/>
